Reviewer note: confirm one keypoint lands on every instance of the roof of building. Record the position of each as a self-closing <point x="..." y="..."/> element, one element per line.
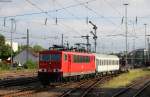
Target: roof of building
<point x="35" y="54"/>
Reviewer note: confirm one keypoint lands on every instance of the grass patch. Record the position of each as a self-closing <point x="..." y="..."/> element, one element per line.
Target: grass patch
<point x="126" y="78"/>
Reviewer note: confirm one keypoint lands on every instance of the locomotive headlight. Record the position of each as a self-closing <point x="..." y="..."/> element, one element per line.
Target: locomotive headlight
<point x="56" y="70"/>
<point x="42" y="70"/>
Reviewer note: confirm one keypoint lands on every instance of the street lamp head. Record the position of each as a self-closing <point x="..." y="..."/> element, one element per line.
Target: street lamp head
<point x="5" y="0"/>
<point x="126" y="4"/>
<point x="91" y="32"/>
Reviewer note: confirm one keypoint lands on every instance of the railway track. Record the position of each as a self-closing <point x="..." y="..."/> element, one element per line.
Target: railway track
<point x="83" y="88"/>
<point x="17" y="81"/>
<point x="30" y="89"/>
<point x="135" y="93"/>
<point x="23" y="91"/>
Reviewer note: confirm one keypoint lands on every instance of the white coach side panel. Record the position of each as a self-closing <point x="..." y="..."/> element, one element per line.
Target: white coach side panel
<point x="105" y="63"/>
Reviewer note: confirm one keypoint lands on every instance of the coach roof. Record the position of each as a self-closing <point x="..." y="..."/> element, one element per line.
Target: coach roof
<point x="105" y="56"/>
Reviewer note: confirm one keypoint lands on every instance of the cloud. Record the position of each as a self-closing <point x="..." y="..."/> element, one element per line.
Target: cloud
<point x="106" y="14"/>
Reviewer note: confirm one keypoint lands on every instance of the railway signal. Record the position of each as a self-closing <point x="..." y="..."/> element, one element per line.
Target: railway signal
<point x="94" y="34"/>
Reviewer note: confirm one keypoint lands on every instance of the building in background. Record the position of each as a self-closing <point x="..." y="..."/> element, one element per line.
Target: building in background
<point x="138" y="57"/>
<point x="14" y="45"/>
<point x="21" y="57"/>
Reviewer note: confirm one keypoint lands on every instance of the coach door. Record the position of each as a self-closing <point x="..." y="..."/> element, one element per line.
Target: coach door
<point x="69" y="65"/>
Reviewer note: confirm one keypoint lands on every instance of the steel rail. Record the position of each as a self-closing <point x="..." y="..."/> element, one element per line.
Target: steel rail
<point x="142" y="89"/>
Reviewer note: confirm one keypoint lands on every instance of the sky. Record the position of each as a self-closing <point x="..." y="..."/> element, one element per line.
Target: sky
<point x="72" y="22"/>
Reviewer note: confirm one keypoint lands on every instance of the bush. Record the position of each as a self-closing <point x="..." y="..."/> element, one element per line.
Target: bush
<point x="30" y="64"/>
<point x="4" y="66"/>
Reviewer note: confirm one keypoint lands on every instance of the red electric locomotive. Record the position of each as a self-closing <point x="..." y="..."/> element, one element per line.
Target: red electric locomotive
<point x="55" y="65"/>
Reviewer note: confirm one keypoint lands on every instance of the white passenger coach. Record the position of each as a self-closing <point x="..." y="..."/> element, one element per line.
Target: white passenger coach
<point x="106" y="63"/>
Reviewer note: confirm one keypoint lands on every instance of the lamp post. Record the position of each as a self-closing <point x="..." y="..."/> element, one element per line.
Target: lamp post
<point x="145" y="26"/>
<point x="148" y="47"/>
<point x="126" y="32"/>
<point x="12" y="30"/>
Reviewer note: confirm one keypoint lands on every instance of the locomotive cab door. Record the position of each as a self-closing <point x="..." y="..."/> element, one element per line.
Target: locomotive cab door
<point x="69" y="65"/>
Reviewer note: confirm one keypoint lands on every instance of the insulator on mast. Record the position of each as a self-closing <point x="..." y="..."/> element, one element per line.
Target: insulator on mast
<point x="45" y="21"/>
<point x="4" y="22"/>
<point x="87" y="20"/>
<point x="122" y="20"/>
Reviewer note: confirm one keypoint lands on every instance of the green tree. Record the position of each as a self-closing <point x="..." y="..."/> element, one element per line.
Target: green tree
<point x="5" y="50"/>
<point x="31" y="64"/>
<point x="2" y="40"/>
<point x="37" y="48"/>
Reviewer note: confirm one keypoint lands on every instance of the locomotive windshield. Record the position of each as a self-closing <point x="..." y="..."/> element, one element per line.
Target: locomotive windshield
<point x="50" y="57"/>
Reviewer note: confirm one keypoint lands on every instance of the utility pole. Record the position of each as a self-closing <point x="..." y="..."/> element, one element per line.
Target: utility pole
<point x="27" y="57"/>
<point x="145" y="51"/>
<point x="12" y="26"/>
<point x="145" y="25"/>
<point x="126" y="32"/>
<point x="62" y="41"/>
<point x="87" y="44"/>
<point x="67" y="45"/>
<point x="148" y="49"/>
<point x="94" y="34"/>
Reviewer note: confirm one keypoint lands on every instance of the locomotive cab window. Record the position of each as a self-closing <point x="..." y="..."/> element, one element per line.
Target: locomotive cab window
<point x="50" y="57"/>
<point x="45" y="57"/>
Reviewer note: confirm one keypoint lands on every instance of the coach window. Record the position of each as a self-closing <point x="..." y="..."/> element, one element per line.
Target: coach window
<point x="103" y="62"/>
<point x="65" y="57"/>
<point x="115" y="62"/>
<point x="80" y="59"/>
<point x="88" y="59"/>
<point x="74" y="58"/>
<point x="84" y="59"/>
<point x="106" y="62"/>
<point x="100" y="62"/>
<point x="97" y="62"/>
